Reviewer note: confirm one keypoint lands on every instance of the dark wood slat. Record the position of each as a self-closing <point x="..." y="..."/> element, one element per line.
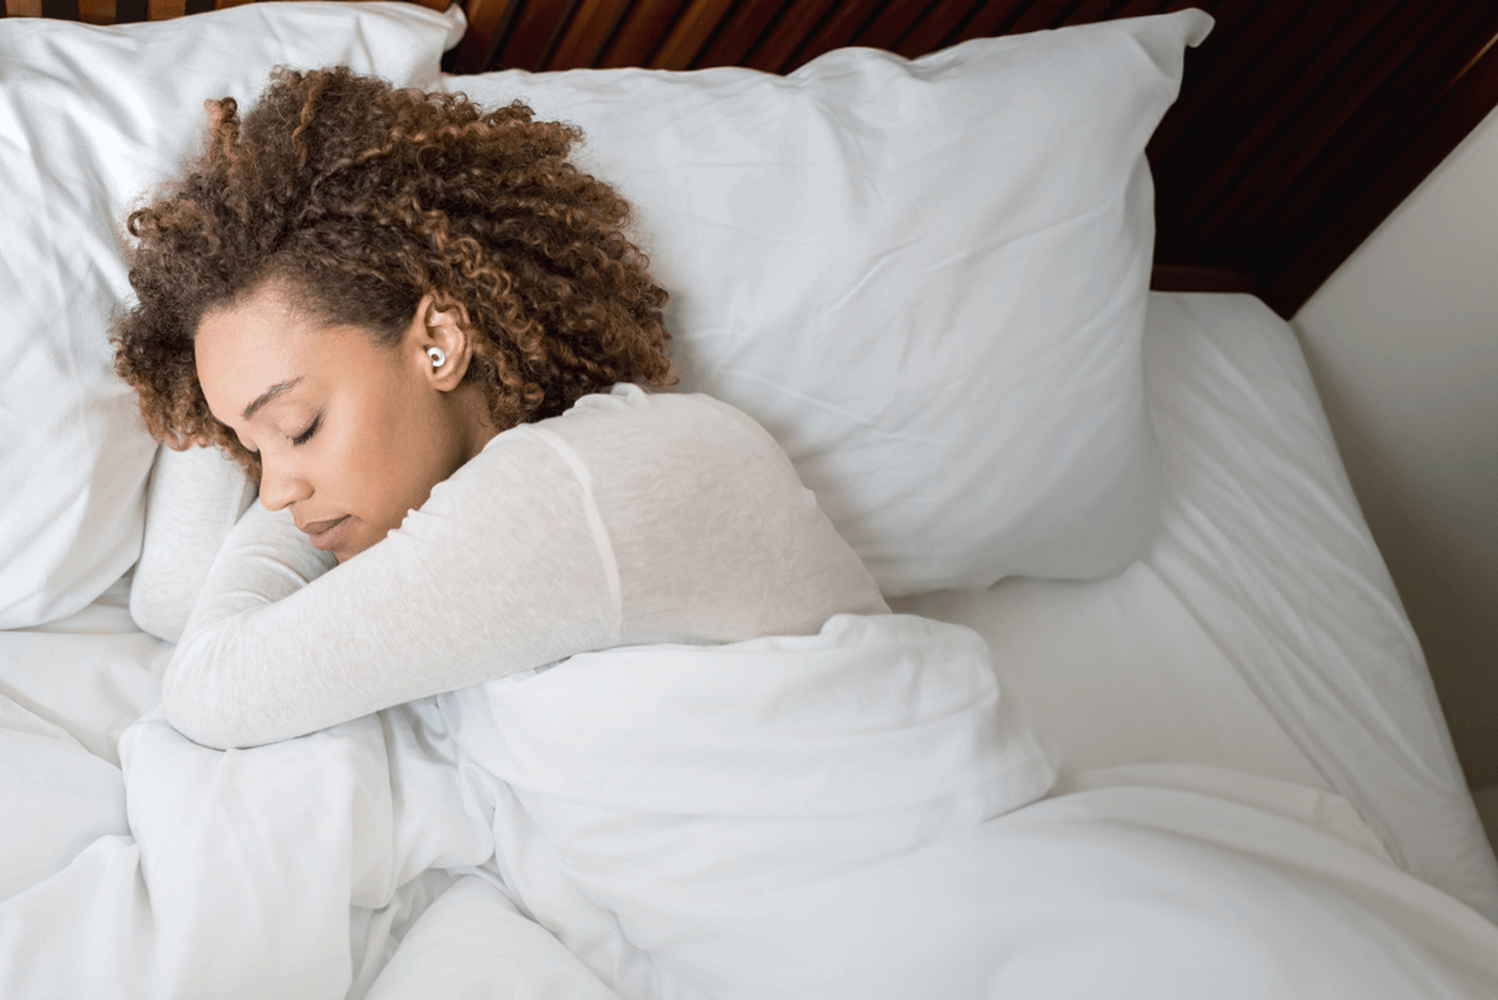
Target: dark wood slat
<point x="1225" y="65"/>
<point x="1319" y="123"/>
<point x="1375" y="134"/>
<point x="1237" y="96"/>
<point x="1090" y="11"/>
<point x="129" y="11"/>
<point x="776" y="51"/>
<point x="893" y="23"/>
<point x="1194" y="278"/>
<point x="1461" y="107"/>
<point x="544" y="60"/>
<point x="692" y="33"/>
<point x="992" y="18"/>
<point x="640" y="35"/>
<point x="489" y="22"/>
<point x="1039" y="15"/>
<point x="588" y="33"/>
<point x="198" y="6"/>
<point x="1334" y="193"/>
<point x="536" y="26"/>
<point x="62" y="10"/>
<point x="841" y="29"/>
<point x="1345" y="152"/>
<point x="1139" y="8"/>
<point x="939" y="23"/>
<point x="735" y="37"/>
<point x="1250" y="164"/>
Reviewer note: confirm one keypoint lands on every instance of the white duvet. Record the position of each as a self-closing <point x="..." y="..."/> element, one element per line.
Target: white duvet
<point x="842" y="815"/>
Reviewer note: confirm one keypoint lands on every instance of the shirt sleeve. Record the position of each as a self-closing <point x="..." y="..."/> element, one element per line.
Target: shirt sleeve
<point x="503" y="569"/>
<point x="193" y="501"/>
<point x="715" y="537"/>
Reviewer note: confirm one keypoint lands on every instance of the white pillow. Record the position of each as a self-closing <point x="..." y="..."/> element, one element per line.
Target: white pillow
<point x="89" y="117"/>
<point x="927" y="279"/>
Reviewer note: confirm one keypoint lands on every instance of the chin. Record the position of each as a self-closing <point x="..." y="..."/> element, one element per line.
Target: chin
<point x="346" y="552"/>
<point x="352" y="547"/>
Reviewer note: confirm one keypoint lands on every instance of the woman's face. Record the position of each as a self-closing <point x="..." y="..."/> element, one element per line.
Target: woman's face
<point x="351" y="435"/>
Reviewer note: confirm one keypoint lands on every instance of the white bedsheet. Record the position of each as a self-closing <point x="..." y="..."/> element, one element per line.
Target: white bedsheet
<point x="1205" y="708"/>
<point x="820" y="817"/>
<point x="629" y="801"/>
<point x="1261" y="630"/>
<point x="67" y="693"/>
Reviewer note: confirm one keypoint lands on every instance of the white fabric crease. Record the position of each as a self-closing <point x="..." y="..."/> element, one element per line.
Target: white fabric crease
<point x="610" y="801"/>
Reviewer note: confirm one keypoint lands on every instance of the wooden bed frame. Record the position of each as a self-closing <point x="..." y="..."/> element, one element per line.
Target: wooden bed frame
<point x="1301" y="123"/>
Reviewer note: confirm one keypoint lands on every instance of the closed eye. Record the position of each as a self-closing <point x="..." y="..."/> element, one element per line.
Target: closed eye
<point x="306" y="435"/>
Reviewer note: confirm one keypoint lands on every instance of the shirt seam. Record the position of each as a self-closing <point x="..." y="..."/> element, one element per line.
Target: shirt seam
<point x="601" y="539"/>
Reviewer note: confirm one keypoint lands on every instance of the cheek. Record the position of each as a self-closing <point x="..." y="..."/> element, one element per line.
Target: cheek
<point x="397" y="458"/>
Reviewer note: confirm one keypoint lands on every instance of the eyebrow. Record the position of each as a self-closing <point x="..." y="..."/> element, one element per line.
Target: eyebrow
<point x="268" y="395"/>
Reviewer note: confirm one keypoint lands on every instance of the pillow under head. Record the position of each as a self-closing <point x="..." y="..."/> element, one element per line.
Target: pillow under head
<point x="89" y="118"/>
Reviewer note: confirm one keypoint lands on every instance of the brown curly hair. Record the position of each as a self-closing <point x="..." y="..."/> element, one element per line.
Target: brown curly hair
<point x="358" y="199"/>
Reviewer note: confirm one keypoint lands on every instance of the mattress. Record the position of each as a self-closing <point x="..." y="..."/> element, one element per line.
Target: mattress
<point x="1261" y="631"/>
<point x="1257" y="650"/>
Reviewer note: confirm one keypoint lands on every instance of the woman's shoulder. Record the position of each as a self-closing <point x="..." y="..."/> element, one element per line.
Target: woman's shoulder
<point x="637" y="441"/>
<point x="628" y="400"/>
<point x="628" y="415"/>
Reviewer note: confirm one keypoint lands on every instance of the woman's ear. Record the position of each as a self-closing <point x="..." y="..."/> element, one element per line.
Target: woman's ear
<point x="442" y="342"/>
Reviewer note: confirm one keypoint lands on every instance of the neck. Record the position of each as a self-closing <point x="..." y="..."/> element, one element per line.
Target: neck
<point x="477" y="425"/>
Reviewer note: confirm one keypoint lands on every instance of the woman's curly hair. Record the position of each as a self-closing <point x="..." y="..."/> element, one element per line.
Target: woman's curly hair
<point x="358" y="199"/>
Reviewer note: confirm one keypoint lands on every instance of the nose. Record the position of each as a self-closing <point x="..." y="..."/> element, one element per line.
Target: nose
<point x="281" y="487"/>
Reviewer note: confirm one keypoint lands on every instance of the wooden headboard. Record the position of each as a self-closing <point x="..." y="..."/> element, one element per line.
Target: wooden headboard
<point x="1301" y="123"/>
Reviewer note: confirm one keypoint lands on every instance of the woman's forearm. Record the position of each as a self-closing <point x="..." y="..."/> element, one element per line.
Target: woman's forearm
<point x="498" y="572"/>
<point x="265" y="559"/>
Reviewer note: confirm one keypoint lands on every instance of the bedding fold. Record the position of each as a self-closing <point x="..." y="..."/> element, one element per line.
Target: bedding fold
<point x="646" y="780"/>
<point x="850" y="814"/>
<point x="667" y="784"/>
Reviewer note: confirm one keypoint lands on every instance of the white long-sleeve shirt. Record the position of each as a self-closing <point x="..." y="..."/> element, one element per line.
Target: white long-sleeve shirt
<point x="632" y="518"/>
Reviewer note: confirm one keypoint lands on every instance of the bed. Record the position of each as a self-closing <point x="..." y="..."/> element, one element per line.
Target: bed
<point x="1148" y="719"/>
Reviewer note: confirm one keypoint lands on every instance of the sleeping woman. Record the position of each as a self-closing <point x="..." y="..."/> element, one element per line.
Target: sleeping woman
<point x="429" y="337"/>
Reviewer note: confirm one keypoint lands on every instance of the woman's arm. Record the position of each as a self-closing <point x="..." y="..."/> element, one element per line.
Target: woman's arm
<point x="498" y="572"/>
<point x="632" y="518"/>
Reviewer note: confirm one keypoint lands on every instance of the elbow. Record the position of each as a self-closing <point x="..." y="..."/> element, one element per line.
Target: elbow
<point x="192" y="706"/>
<point x="189" y="720"/>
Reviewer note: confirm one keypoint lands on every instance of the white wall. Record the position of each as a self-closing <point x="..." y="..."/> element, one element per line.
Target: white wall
<point x="1403" y="341"/>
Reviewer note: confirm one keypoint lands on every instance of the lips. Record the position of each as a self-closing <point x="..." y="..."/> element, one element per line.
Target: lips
<point x="325" y="534"/>
<point x="318" y="527"/>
